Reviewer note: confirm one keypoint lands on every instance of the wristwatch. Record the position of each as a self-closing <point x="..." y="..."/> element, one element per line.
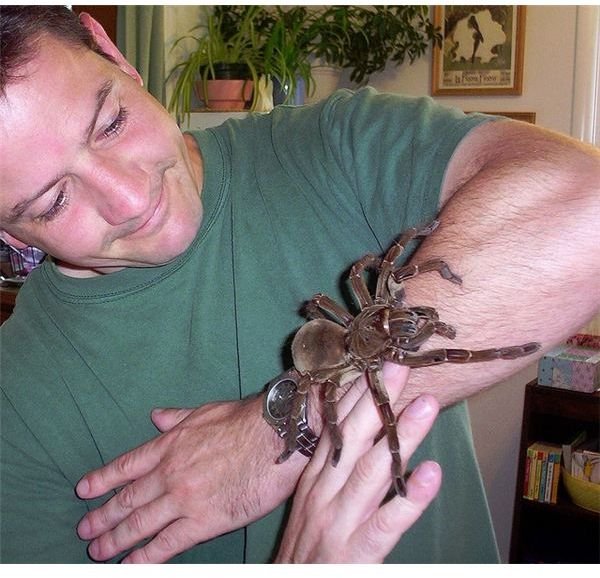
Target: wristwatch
<point x="277" y="409"/>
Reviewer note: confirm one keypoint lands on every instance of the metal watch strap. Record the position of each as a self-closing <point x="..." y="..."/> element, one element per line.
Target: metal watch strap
<point x="307" y="440"/>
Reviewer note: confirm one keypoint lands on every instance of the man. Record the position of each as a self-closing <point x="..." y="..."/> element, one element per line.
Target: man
<point x="180" y="262"/>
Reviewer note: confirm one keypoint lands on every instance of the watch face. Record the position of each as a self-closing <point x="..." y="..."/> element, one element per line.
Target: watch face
<point x="280" y="399"/>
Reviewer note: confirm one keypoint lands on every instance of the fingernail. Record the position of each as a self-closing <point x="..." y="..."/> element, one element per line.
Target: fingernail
<point x="93" y="550"/>
<point x="419" y="408"/>
<point x="82" y="488"/>
<point x="425" y="473"/>
<point x="84" y="529"/>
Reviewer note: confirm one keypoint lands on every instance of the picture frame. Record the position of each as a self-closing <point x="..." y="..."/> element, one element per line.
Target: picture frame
<point x="482" y="50"/>
<point x="529" y="117"/>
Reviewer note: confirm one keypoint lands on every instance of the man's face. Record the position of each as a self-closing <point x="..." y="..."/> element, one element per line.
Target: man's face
<point x="92" y="169"/>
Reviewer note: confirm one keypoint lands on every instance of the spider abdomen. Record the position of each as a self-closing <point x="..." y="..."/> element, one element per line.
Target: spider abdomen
<point x="319" y="345"/>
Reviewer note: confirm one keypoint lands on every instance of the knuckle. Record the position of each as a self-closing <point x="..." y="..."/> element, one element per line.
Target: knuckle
<point x="136" y="523"/>
<point x="166" y="542"/>
<point x="364" y="470"/>
<point x="125" y="497"/>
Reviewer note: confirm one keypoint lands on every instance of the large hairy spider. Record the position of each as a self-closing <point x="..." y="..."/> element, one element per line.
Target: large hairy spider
<point x="334" y="347"/>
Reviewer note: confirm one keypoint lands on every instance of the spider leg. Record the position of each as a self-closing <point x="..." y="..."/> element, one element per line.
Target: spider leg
<point x="409" y="271"/>
<point x="332" y="419"/>
<point x="431" y="324"/>
<point x="382" y="291"/>
<point x="323" y="307"/>
<point x="389" y="423"/>
<point x="357" y="280"/>
<point x="438" y="356"/>
<point x="298" y="404"/>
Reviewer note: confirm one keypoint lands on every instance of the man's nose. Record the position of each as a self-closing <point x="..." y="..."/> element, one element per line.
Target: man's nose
<point x="123" y="193"/>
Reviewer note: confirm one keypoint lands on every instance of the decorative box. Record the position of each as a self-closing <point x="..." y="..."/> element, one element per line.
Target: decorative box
<point x="571" y="367"/>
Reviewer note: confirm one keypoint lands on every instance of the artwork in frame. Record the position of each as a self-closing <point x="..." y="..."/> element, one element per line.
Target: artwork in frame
<point x="522" y="116"/>
<point x="481" y="52"/>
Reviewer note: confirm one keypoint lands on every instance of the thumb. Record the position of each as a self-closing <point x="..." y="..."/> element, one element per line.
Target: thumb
<point x="167" y="418"/>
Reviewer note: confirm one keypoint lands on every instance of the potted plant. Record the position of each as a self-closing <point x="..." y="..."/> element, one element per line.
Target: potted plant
<point x="283" y="41"/>
<point x="230" y="59"/>
<point x="280" y="43"/>
<point x="370" y="37"/>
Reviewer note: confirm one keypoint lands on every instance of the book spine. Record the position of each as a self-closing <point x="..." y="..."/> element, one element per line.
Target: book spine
<point x="538" y="475"/>
<point x="526" y="475"/>
<point x="543" y="474"/>
<point x="555" y="478"/>
<point x="549" y="476"/>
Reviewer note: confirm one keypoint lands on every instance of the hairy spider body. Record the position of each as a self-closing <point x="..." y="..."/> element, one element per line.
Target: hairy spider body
<point x="335" y="347"/>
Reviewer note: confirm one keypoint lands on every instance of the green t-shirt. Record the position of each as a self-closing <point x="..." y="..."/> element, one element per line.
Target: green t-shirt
<point x="291" y="200"/>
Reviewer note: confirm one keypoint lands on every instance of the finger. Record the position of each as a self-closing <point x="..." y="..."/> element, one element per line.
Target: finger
<point x="384" y="529"/>
<point x="359" y="428"/>
<point x="370" y="478"/>
<point x="394" y="378"/>
<point x="180" y="536"/>
<point x="119" y="507"/>
<point x="364" y="422"/>
<point x="167" y="418"/>
<point x="143" y="522"/>
<point x="121" y="470"/>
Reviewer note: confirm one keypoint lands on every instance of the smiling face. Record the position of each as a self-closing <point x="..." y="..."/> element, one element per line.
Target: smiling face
<point x="93" y="170"/>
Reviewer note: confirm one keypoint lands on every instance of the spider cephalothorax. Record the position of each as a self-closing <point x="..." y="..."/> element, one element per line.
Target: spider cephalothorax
<point x="335" y="347"/>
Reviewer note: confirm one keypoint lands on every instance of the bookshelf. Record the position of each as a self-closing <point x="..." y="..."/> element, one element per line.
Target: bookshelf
<point x="561" y="532"/>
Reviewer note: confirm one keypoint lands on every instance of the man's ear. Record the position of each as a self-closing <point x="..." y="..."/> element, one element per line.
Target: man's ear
<point x="107" y="46"/>
<point x="12" y="241"/>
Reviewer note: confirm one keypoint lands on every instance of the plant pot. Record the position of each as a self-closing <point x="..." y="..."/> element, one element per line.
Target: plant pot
<point x="229" y="89"/>
<point x="231" y="71"/>
<point x="225" y="94"/>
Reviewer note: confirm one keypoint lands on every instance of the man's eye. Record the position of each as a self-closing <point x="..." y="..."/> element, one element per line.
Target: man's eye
<point x="117" y="125"/>
<point x="60" y="204"/>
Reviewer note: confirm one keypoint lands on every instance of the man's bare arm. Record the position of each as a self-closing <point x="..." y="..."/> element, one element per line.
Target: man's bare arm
<point x="521" y="225"/>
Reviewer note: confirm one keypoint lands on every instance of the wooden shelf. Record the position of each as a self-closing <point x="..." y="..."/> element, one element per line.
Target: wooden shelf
<point x="561" y="532"/>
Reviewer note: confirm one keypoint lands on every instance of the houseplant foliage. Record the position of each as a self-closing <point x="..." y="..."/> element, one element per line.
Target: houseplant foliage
<point x="374" y="36"/>
<point x="214" y="47"/>
<point x="282" y="42"/>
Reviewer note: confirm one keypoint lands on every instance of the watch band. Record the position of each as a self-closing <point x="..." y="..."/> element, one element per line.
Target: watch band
<point x="306" y="439"/>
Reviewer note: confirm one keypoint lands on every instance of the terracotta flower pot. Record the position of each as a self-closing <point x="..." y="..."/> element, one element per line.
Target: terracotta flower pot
<point x="228" y="94"/>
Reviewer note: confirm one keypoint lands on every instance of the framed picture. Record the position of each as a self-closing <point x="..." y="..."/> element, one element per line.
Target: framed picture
<point x="482" y="50"/>
<point x="522" y="116"/>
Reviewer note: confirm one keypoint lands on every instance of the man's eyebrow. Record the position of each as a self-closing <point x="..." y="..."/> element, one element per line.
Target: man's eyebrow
<point x="101" y="97"/>
<point x="17" y="211"/>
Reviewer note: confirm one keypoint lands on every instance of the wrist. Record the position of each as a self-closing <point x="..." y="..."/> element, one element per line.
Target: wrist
<point x="280" y="402"/>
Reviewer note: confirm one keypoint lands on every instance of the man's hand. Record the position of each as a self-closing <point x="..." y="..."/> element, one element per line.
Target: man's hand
<point x="172" y="486"/>
<point x="338" y="516"/>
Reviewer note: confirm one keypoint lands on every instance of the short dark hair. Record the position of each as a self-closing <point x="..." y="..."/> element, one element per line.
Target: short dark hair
<point x="21" y="28"/>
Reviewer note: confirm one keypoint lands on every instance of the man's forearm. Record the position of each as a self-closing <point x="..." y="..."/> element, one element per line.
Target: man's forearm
<point x="522" y="229"/>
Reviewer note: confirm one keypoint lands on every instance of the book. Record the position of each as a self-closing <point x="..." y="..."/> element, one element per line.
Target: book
<point x="542" y="472"/>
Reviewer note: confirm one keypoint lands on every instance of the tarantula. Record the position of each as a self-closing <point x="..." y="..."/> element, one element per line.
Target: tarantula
<point x="334" y="347"/>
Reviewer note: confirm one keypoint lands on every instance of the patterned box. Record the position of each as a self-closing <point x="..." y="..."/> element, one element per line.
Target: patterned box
<point x="571" y="367"/>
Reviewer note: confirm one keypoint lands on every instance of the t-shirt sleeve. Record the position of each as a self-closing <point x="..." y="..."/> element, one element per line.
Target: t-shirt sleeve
<point x="390" y="151"/>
